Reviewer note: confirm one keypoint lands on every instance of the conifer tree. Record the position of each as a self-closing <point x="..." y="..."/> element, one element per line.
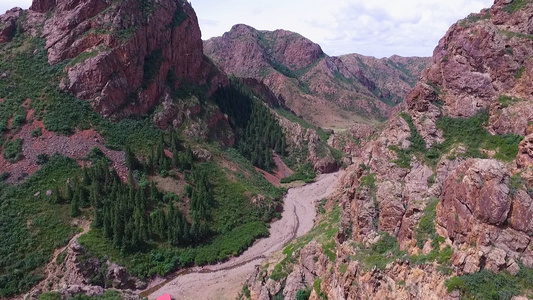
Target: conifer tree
<point x="74" y="206"/>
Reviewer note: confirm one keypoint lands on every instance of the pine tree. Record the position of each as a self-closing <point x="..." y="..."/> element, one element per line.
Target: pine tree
<point x="131" y="160"/>
<point x="56" y="196"/>
<point x="74" y="206"/>
<point x="68" y="192"/>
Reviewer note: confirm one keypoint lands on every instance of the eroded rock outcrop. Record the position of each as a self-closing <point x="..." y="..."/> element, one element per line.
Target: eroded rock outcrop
<point x="8" y="24"/>
<point x="484" y="211"/>
<point x="124" y="58"/>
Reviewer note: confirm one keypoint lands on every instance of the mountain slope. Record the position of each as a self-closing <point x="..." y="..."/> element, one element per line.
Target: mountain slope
<point x="111" y="115"/>
<point x="438" y="203"/>
<point x="327" y="91"/>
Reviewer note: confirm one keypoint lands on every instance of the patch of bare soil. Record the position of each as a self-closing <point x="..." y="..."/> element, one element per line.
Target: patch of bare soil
<point x="169" y="184"/>
<point x="77" y="146"/>
<point x="281" y="171"/>
<point x="225" y="280"/>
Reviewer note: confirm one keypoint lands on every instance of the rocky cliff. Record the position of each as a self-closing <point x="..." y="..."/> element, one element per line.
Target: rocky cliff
<point x="327" y="91"/>
<point x="444" y="189"/>
<point x="123" y="56"/>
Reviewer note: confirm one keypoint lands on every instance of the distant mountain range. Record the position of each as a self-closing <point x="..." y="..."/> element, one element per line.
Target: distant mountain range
<point x="327" y="91"/>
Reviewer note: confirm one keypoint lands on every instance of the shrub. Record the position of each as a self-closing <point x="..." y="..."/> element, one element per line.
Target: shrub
<point x="37" y="132"/>
<point x="50" y="296"/>
<point x="13" y="150"/>
<point x="303" y="294"/>
<point x="455" y="283"/>
<point x="4" y="176"/>
<point x="42" y="158"/>
<point x="246" y="291"/>
<point x="18" y="120"/>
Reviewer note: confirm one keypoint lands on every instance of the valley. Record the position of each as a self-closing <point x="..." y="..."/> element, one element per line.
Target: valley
<point x="137" y="159"/>
<point x="225" y="280"/>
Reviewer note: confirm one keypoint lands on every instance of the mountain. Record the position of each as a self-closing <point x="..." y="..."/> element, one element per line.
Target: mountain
<point x="327" y="91"/>
<point x="437" y="204"/>
<point x="126" y="153"/>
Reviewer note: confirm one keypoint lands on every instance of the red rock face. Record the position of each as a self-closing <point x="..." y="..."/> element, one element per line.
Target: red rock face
<point x="8" y="24"/>
<point x="125" y="57"/>
<point x="42" y="6"/>
<point x="484" y="210"/>
<point x="477" y="191"/>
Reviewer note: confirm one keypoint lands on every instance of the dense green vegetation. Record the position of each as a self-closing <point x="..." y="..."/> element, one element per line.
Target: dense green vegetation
<point x="109" y="295"/>
<point x="223" y="221"/>
<point x="468" y="132"/>
<point x="491" y="286"/>
<point x="303" y="294"/>
<point x="304" y="173"/>
<point x="32" y="225"/>
<point x="13" y="150"/>
<point x="258" y="132"/>
<point x="135" y="224"/>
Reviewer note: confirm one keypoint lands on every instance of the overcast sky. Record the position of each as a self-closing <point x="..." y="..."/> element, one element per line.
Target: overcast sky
<point x="378" y="28"/>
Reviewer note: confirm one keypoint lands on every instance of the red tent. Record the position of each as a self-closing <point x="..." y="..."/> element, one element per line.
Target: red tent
<point x="164" y="297"/>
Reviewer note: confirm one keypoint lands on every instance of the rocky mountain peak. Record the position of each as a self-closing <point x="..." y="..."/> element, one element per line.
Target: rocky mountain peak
<point x="124" y="56"/>
<point x="313" y="84"/>
<point x="42" y="6"/>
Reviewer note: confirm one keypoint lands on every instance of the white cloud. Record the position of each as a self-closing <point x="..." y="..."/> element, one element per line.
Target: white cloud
<point x="6" y="5"/>
<point x="382" y="28"/>
<point x="378" y="27"/>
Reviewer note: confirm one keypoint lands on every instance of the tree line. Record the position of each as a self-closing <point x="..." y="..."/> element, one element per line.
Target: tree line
<point x="132" y="215"/>
<point x="258" y="132"/>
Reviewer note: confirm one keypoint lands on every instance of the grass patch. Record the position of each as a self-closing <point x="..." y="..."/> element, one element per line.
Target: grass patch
<point x="474" y="18"/>
<point x="418" y="144"/>
<point x="305" y="173"/>
<point x="318" y="289"/>
<point x="512" y="34"/>
<point x="85" y="55"/>
<point x="471" y="133"/>
<point x="32" y="227"/>
<point x="468" y="132"/>
<point x="426" y="227"/>
<point x="515" y="5"/>
<point x="488" y="285"/>
<point x="506" y="101"/>
<point x="519" y="73"/>
<point x="61" y="257"/>
<point x="380" y="254"/>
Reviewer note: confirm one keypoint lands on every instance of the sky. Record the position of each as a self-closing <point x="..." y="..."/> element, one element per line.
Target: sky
<point x="379" y="28"/>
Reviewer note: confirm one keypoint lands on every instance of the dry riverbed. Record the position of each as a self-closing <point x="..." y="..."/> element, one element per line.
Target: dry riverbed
<point x="225" y="280"/>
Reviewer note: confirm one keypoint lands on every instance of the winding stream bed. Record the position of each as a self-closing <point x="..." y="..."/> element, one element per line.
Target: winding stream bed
<point x="225" y="280"/>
